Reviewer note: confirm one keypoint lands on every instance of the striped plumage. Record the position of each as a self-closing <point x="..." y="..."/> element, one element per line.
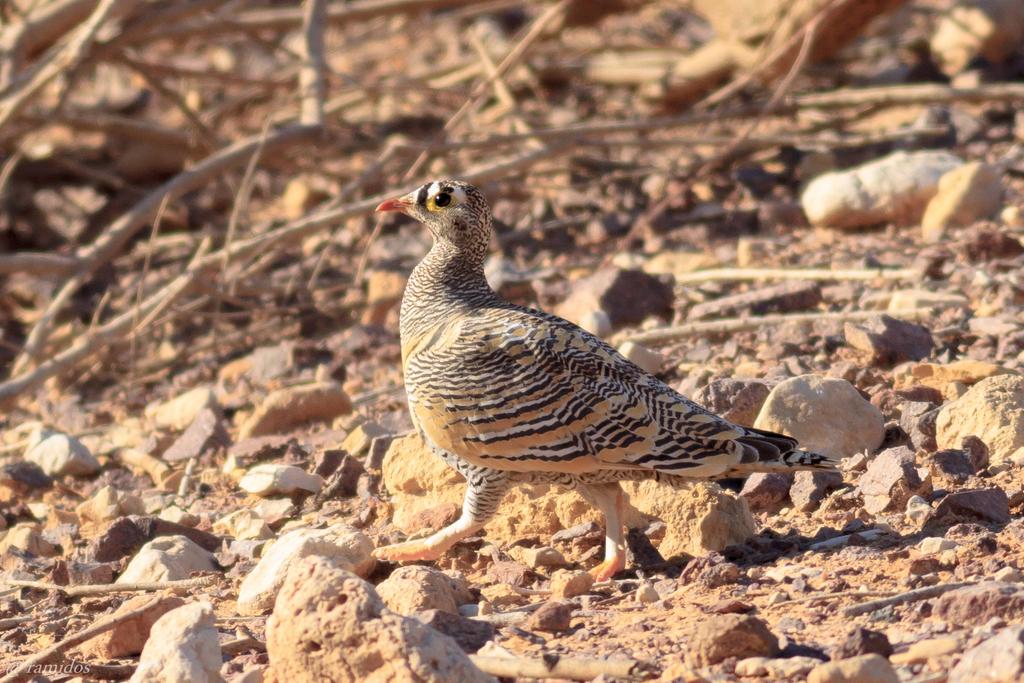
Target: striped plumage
<point x="508" y="394"/>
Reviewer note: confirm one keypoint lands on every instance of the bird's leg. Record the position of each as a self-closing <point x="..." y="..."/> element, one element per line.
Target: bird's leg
<point x="609" y="500"/>
<point x="484" y="491"/>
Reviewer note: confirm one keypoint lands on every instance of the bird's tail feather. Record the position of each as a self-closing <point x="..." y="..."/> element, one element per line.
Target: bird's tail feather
<point x="765" y="451"/>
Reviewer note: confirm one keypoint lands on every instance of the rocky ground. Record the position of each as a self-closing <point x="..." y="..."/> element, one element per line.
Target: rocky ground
<point x="208" y="437"/>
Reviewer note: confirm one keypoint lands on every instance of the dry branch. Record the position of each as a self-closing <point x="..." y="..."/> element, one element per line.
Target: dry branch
<point x="11" y="622"/>
<point x="37" y="263"/>
<point x="108" y="588"/>
<point x="102" y="626"/>
<point x="910" y="596"/>
<point x="729" y="325"/>
<point x="39" y="30"/>
<point x="114" y="238"/>
<point x="66" y="60"/>
<point x="85" y="346"/>
<point x="901" y="95"/>
<point x="116" y="329"/>
<point x="283" y="19"/>
<point x="819" y="274"/>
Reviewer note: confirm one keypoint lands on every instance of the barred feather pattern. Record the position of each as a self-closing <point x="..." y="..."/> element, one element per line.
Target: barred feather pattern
<point x="508" y="394"/>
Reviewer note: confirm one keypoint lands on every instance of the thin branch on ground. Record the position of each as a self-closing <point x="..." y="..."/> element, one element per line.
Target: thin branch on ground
<point x="819" y="274"/>
<point x="903" y="598"/>
<point x="754" y="322"/>
<point x="20" y="671"/>
<point x="182" y="585"/>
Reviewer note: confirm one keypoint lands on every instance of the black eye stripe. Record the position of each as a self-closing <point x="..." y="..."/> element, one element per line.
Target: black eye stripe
<point x="421" y="196"/>
<point x="447" y="190"/>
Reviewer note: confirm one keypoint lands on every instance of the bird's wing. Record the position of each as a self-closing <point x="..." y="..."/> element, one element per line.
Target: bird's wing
<point x="517" y="389"/>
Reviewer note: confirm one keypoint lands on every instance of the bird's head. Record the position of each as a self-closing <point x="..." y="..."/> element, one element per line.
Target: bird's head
<point x="455" y="212"/>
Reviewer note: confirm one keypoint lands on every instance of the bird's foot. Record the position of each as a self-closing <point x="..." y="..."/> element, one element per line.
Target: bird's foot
<point x="409" y="551"/>
<point x="609" y="568"/>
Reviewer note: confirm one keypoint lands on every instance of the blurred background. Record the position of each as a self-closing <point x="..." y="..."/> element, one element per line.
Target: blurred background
<point x="803" y="214"/>
<point x="185" y="181"/>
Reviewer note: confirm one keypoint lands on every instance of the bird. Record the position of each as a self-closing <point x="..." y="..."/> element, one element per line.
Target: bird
<point x="507" y="394"/>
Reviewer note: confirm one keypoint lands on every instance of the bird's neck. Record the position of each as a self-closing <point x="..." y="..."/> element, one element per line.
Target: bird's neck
<point x="444" y="283"/>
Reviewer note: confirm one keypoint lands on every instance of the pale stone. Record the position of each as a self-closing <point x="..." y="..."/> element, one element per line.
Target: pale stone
<point x="167" y="558"/>
<point x="894" y="189"/>
<point x="825" y="415"/>
<point x="341" y="543"/>
<point x="243" y="525"/>
<point x="992" y="29"/>
<point x="330" y="625"/>
<point x="862" y="669"/>
<point x="291" y="407"/>
<point x="59" y="454"/>
<point x="966" y="194"/>
<point x="183" y="648"/>
<point x="178" y="413"/>
<point x="269" y="479"/>
<point x="992" y="410"/>
<point x="108" y="503"/>
<point x="647" y="359"/>
<point x="698" y="519"/>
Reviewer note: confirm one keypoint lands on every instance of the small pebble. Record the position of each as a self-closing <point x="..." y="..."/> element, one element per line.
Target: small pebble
<point x="646" y="594"/>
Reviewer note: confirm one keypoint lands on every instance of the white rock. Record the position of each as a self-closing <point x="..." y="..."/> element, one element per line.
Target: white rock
<point x="27" y="538"/>
<point x="178" y="413"/>
<point x="1012" y="217"/>
<point x="826" y="415"/>
<point x="992" y="410"/>
<point x="167" y="558"/>
<point x="271" y="480"/>
<point x="1000" y="658"/>
<point x="244" y="525"/>
<point x="918" y="510"/>
<point x="862" y="669"/>
<point x="919" y="298"/>
<point x="935" y="544"/>
<point x="347" y="547"/>
<point x="1009" y="574"/>
<point x="992" y="29"/>
<point x="647" y="359"/>
<point x="894" y="189"/>
<point x="58" y="454"/>
<point x="182" y="648"/>
<point x="776" y="669"/>
<point x="596" y="323"/>
<point x="108" y="503"/>
<point x="175" y="514"/>
<point x="966" y="194"/>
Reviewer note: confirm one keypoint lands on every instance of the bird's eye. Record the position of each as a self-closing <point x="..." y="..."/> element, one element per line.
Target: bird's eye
<point x="442" y="199"/>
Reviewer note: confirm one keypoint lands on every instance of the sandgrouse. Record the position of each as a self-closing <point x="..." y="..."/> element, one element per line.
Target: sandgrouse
<point x="507" y="394"/>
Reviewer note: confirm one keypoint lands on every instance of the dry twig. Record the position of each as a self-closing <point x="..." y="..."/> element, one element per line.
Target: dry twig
<point x="820" y="274"/>
<point x="903" y="598"/>
<point x="108" y="588"/>
<point x="116" y="236"/>
<point x="64" y="62"/>
<point x="729" y="325"/>
<point x="102" y="626"/>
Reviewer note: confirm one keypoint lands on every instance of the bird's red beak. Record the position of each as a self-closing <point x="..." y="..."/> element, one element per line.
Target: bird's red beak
<point x="400" y="204"/>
